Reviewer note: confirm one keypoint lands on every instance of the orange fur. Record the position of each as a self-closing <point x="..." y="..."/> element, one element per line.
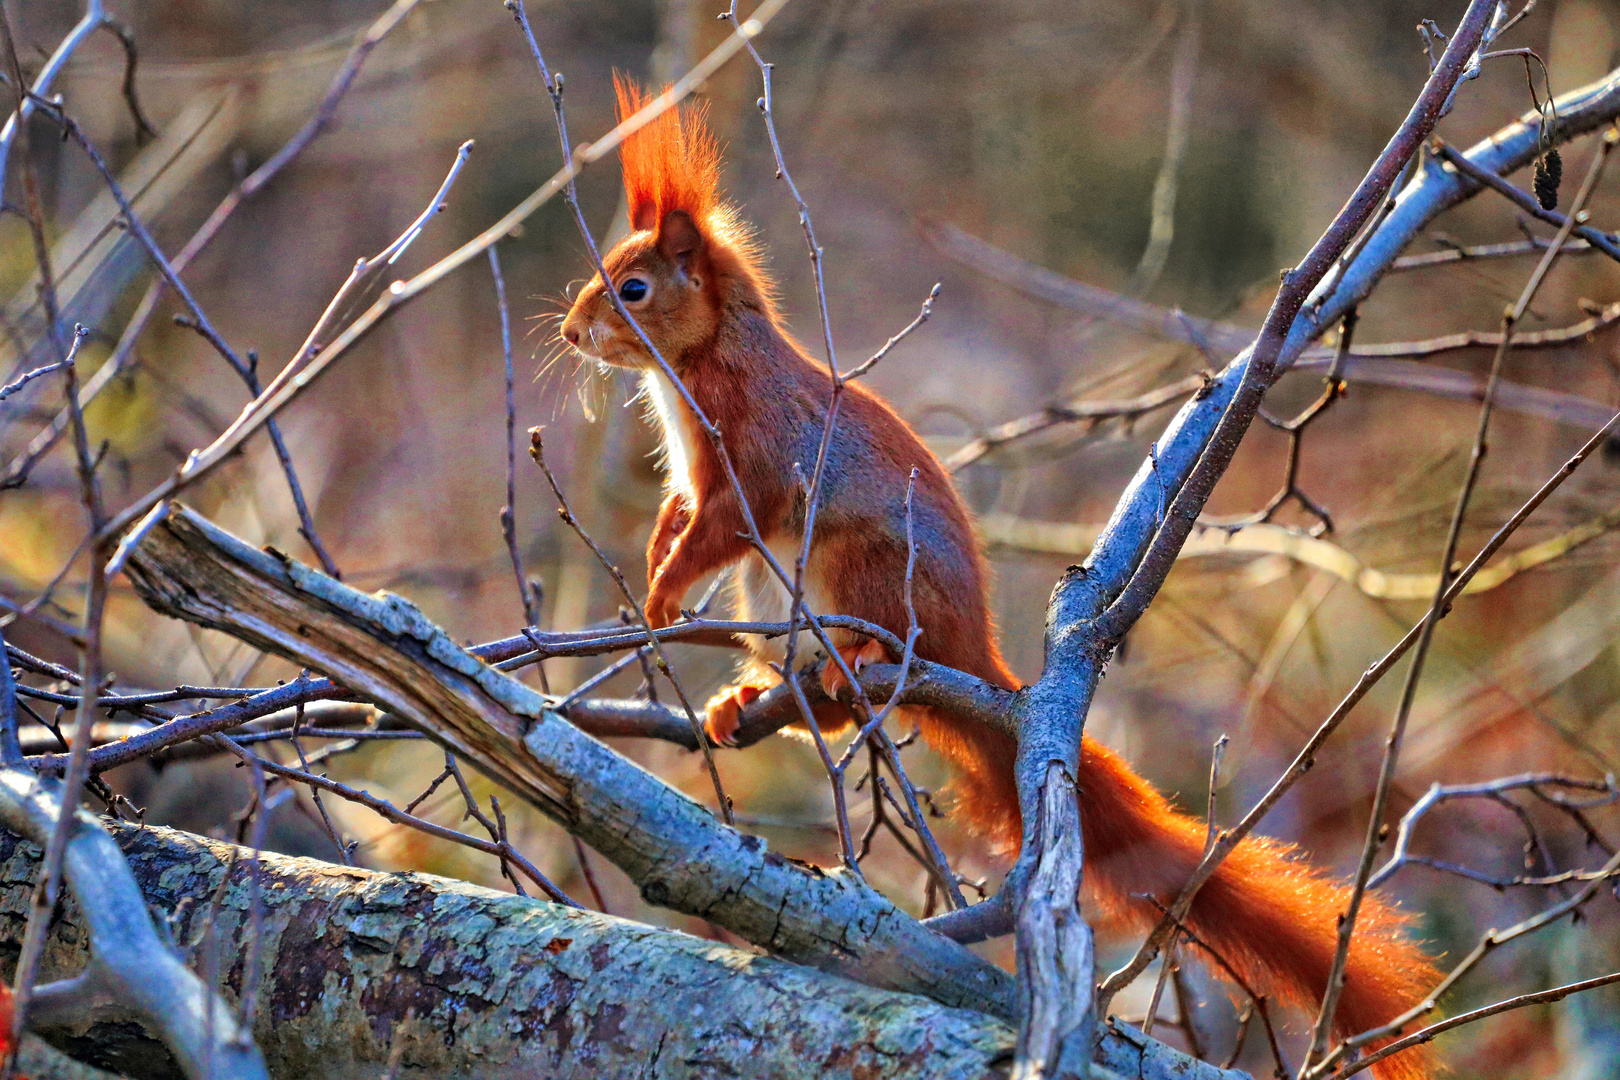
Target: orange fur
<point x="707" y="308"/>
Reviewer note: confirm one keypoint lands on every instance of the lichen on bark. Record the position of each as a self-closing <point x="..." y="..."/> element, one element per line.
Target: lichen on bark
<point x="495" y="985"/>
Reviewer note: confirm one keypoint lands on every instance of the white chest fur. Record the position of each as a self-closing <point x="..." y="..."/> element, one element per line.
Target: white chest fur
<point x="760" y="597"/>
<point x="674" y="418"/>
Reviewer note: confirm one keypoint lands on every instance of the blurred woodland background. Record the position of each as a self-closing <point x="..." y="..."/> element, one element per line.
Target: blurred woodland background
<point x="1037" y="126"/>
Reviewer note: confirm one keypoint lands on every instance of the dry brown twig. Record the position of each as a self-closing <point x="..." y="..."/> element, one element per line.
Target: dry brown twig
<point x="538" y="453"/>
<point x="1606" y="793"/>
<point x="1386" y="778"/>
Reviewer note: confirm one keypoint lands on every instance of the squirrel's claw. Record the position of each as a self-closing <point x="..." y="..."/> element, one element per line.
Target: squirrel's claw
<point x="857" y="657"/>
<point x="723" y="714"/>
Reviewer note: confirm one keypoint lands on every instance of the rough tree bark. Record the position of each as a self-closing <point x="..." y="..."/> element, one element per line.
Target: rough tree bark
<point x="385" y="650"/>
<point x="497" y="985"/>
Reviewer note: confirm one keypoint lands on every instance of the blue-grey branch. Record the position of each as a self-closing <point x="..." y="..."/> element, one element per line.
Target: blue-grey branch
<point x="129" y="967"/>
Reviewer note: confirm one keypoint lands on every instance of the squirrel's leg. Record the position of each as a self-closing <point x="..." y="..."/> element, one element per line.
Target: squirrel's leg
<point x="713" y="538"/>
<point x="673" y="518"/>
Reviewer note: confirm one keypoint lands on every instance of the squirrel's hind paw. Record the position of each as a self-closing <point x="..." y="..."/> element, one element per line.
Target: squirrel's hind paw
<point x="724" y="713"/>
<point x="857" y="657"/>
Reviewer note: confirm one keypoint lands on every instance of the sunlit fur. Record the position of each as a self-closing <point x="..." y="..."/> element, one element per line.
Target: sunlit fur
<point x="710" y="315"/>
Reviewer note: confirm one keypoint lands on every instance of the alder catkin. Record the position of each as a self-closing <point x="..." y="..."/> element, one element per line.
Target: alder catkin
<point x="1549" y="174"/>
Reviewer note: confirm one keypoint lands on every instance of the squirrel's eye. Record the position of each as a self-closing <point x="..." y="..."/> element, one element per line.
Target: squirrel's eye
<point x="632" y="289"/>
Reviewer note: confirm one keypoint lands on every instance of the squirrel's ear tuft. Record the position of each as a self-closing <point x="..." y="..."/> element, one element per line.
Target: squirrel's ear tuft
<point x="671" y="164"/>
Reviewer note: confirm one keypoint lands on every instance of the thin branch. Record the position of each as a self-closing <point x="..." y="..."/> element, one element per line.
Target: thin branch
<point x="1495" y="790"/>
<point x="1162" y="224"/>
<point x="501" y="849"/>
<point x="29" y="376"/>
<point x="1392" y="749"/>
<point x="199" y="321"/>
<point x="17" y="122"/>
<point x="286" y="385"/>
<point x="1601" y="241"/>
<point x="589" y="875"/>
<point x="1332" y="389"/>
<point x="922" y="316"/>
<point x="144" y="130"/>
<point x="250" y="185"/>
<point x="1542" y="997"/>
<point x="1488" y="943"/>
<point x="1453" y="253"/>
<point x="531" y="613"/>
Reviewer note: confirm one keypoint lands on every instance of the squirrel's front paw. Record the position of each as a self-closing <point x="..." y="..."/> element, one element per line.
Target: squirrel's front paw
<point x="724" y="713"/>
<point x="663" y="608"/>
<point x="663" y="541"/>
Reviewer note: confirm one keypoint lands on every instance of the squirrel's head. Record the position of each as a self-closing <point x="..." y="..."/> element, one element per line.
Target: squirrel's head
<point x="690" y="258"/>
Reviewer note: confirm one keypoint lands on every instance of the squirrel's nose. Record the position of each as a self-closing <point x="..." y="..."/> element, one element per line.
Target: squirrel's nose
<point x="570" y="335"/>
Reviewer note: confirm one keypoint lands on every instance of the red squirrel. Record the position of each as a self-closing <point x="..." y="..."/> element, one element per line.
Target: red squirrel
<point x="691" y="276"/>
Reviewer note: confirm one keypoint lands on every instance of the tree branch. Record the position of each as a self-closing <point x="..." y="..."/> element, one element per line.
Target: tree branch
<point x="382" y="647"/>
<point x="122" y="952"/>
<point x="535" y="990"/>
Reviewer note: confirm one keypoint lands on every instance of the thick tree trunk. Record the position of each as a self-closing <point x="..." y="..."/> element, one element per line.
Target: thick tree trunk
<point x="497" y="985"/>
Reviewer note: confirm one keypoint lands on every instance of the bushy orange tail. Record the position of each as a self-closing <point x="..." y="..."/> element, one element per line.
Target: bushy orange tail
<point x="1270" y="916"/>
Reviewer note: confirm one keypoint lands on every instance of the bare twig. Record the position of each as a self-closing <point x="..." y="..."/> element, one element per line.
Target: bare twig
<point x="1332" y="390"/>
<point x="1074" y="412"/>
<point x="589" y="875"/>
<point x="500" y="848"/>
<point x="17" y="122"/>
<point x="199" y="321"/>
<point x="1488" y="943"/>
<point x="905" y="331"/>
<point x="1526" y="202"/>
<point x="250" y="185"/>
<point x="1453" y="253"/>
<point x="288" y="383"/>
<point x="1542" y="997"/>
<point x="1386" y="777"/>
<point x="343" y="850"/>
<point x="1495" y="790"/>
<point x="531" y="614"/>
<point x="29" y="376"/>
<point x="1257" y="1001"/>
<point x="1161" y="229"/>
<point x="144" y="130"/>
